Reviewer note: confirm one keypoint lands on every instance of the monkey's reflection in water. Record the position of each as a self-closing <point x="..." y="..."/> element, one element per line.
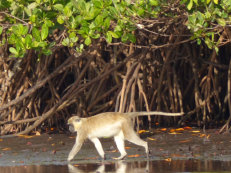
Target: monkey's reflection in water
<point x="120" y="167"/>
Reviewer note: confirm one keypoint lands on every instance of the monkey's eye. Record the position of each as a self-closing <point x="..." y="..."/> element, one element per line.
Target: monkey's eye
<point x="77" y="120"/>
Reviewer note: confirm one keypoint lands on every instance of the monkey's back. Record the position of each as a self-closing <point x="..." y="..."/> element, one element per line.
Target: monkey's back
<point x="106" y="124"/>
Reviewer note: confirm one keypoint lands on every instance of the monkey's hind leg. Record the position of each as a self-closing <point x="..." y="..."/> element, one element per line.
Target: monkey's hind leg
<point x="119" y="140"/>
<point x="131" y="136"/>
<point x="98" y="147"/>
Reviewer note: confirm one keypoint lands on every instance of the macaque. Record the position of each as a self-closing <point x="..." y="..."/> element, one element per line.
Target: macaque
<point x="108" y="124"/>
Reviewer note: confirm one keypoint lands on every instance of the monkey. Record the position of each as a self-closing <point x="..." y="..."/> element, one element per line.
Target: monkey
<point x="108" y="124"/>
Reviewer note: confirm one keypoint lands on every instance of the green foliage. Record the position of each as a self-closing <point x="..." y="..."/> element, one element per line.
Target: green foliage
<point x="33" y="24"/>
<point x="205" y="16"/>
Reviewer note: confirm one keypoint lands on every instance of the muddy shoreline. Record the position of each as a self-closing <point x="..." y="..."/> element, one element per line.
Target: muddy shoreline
<point x="167" y="147"/>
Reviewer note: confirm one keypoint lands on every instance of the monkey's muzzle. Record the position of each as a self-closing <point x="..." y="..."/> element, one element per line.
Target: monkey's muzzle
<point x="71" y="128"/>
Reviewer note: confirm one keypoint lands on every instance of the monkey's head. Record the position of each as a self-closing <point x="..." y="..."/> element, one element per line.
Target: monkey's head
<point x="74" y="123"/>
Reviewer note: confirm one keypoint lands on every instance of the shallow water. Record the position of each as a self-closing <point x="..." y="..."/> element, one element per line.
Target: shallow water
<point x="185" y="151"/>
<point x="127" y="167"/>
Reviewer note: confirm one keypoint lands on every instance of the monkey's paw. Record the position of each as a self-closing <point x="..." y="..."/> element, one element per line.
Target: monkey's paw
<point x="69" y="158"/>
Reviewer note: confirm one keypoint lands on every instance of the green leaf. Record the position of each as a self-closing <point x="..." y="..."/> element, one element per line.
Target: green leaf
<point x="124" y="37"/>
<point x="216" y="49"/>
<point x="28" y="41"/>
<point x="22" y="30"/>
<point x="131" y="38"/>
<point x="208" y="43"/>
<point x="98" y="3"/>
<point x="78" y="19"/>
<point x="48" y="23"/>
<point x="58" y="7"/>
<point x="99" y="20"/>
<point x="196" y="2"/>
<point x="36" y="34"/>
<point x="87" y="41"/>
<point x="107" y="23"/>
<point x="154" y="2"/>
<point x="1" y="29"/>
<point x="73" y="37"/>
<point x="12" y="39"/>
<point x="67" y="11"/>
<point x="215" y="1"/>
<point x="60" y="19"/>
<point x="113" y="11"/>
<point x="44" y="32"/>
<point x="46" y="51"/>
<point x="113" y="34"/>
<point x="190" y="5"/>
<point x="66" y="42"/>
<point x="14" y="51"/>
<point x="95" y="36"/>
<point x="198" y="41"/>
<point x="207" y="15"/>
<point x="109" y="37"/>
<point x="221" y="21"/>
<point x="35" y="44"/>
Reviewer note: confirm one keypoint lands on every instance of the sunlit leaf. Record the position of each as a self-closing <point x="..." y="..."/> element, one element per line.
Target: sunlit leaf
<point x="196" y="131"/>
<point x="175" y="133"/>
<point x="152" y="139"/>
<point x="87" y="41"/>
<point x="202" y="135"/>
<point x="44" y="32"/>
<point x="187" y="128"/>
<point x="13" y="51"/>
<point x="180" y="129"/>
<point x="190" y="4"/>
<point x="172" y="130"/>
<point x="163" y="129"/>
<point x="37" y="133"/>
<point x="168" y="159"/>
<point x="135" y="155"/>
<point x="215" y="1"/>
<point x="58" y="7"/>
<point x="1" y="29"/>
<point x="6" y="149"/>
<point x="25" y="136"/>
<point x="221" y="21"/>
<point x="60" y="19"/>
<point x="143" y="131"/>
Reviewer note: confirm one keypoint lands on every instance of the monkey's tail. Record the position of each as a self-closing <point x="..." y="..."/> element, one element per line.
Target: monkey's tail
<point x="135" y="114"/>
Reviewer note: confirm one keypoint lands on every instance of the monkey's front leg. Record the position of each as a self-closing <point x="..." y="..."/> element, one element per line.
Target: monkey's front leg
<point x="75" y="149"/>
